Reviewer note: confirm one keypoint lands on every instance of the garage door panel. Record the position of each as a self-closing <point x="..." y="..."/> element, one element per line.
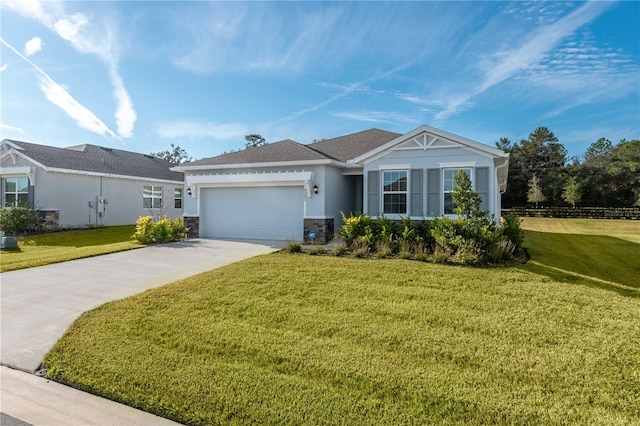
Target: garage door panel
<point x="272" y="213"/>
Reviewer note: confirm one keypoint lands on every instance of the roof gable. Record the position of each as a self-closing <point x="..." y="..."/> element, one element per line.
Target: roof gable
<point x="96" y="160"/>
<point x="429" y="138"/>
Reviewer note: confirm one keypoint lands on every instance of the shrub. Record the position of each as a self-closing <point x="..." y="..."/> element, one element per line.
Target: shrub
<point x="162" y="231"/>
<point x="353" y="227"/>
<point x="294" y="248"/>
<point x="512" y="230"/>
<point x="316" y="251"/>
<point x="18" y="219"/>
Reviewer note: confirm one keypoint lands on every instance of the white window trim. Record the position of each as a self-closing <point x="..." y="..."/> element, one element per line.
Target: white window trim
<point x="181" y="198"/>
<point x="154" y="196"/>
<point x="16" y="193"/>
<point x="442" y="190"/>
<point x="406" y="192"/>
<point x="394" y="167"/>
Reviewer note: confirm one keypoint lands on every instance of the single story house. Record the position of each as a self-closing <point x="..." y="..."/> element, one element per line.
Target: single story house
<point x="290" y="191"/>
<point x="88" y="185"/>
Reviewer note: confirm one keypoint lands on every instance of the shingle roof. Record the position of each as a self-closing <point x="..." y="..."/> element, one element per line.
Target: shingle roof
<point x="96" y="159"/>
<point x="342" y="148"/>
<point x="286" y="150"/>
<point x="348" y="147"/>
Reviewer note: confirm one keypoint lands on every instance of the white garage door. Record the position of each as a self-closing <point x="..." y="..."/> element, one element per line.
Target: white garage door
<point x="256" y="213"/>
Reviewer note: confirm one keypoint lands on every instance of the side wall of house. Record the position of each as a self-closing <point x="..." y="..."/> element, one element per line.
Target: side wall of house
<point x="82" y="200"/>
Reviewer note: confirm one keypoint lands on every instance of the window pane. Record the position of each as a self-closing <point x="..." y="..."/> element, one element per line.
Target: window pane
<point x="23" y="184"/>
<point x="157" y="191"/>
<point x="157" y="203"/>
<point x="177" y="193"/>
<point x="9" y="200"/>
<point x="23" y="199"/>
<point x="10" y="185"/>
<point x="449" y="205"/>
<point x="178" y="203"/>
<point x="395" y="181"/>
<point x="147" y="191"/>
<point x="395" y="203"/>
<point x="146" y="203"/>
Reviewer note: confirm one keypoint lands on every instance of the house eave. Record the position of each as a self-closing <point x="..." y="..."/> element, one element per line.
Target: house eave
<point x="322" y="162"/>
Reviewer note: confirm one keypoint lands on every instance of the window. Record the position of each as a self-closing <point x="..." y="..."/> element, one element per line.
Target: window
<point x="177" y="198"/>
<point x="152" y="197"/>
<point x="449" y="185"/>
<point x="16" y="191"/>
<point x="394" y="192"/>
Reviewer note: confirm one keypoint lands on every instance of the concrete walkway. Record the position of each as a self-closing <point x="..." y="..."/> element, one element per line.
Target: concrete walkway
<point x="37" y="305"/>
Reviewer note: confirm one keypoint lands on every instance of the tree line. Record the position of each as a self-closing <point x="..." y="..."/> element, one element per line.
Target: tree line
<point x="542" y="174"/>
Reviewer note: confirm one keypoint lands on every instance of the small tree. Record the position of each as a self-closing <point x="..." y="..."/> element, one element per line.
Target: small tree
<point x="253" y="141"/>
<point x="572" y="191"/>
<point x="535" y="195"/>
<point x="467" y="201"/>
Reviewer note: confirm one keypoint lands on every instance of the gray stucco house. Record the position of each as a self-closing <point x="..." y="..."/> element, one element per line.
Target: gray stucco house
<point x="285" y="190"/>
<point x="88" y="185"/>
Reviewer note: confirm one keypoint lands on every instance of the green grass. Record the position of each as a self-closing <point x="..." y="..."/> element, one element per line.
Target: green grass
<point x="44" y="249"/>
<point x="603" y="251"/>
<point x="293" y="339"/>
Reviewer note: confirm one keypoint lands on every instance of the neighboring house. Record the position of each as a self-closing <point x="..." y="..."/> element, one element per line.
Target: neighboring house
<point x="88" y="185"/>
<point x="285" y="190"/>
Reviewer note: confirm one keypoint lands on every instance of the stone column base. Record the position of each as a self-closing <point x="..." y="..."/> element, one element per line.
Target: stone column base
<point x="193" y="223"/>
<point x="323" y="229"/>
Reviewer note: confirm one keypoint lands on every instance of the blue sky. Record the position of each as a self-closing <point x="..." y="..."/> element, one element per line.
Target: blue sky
<point x="142" y="75"/>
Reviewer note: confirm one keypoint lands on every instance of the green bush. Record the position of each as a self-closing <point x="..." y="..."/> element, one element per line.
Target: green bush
<point x="294" y="248"/>
<point x="353" y="227"/>
<point x="164" y="230"/>
<point x="512" y="230"/>
<point x="18" y="219"/>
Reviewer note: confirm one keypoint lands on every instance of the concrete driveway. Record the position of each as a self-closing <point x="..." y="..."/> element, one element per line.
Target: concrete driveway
<point x="37" y="305"/>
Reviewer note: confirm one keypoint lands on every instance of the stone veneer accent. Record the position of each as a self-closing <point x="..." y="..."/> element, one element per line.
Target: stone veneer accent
<point x="48" y="220"/>
<point x="323" y="229"/>
<point x="193" y="223"/>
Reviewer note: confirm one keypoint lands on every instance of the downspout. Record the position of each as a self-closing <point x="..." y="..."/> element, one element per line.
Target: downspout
<point x="498" y="201"/>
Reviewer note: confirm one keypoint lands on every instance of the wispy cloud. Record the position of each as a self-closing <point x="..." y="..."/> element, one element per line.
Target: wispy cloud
<point x="32" y="46"/>
<point x="377" y="117"/>
<point x="4" y="67"/>
<point x="57" y="95"/>
<point x="11" y="128"/>
<point x="191" y="129"/>
<point x="505" y="64"/>
<point x="96" y="38"/>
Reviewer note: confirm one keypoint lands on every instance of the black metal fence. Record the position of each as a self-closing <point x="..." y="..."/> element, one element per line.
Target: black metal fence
<point x="632" y="213"/>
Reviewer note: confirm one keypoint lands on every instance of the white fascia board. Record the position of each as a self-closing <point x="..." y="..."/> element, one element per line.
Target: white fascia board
<point x="394" y="167"/>
<point x="187" y="168"/>
<point x="15" y="171"/>
<point x="7" y="142"/>
<point x="248" y="179"/>
<point x="112" y="175"/>
<point x="476" y="146"/>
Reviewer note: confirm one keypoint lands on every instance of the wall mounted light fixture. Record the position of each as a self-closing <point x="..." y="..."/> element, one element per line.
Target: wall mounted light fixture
<point x="189" y="190"/>
<point x="315" y="189"/>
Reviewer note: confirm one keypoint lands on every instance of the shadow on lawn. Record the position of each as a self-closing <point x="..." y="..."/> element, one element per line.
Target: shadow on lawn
<point x="594" y="260"/>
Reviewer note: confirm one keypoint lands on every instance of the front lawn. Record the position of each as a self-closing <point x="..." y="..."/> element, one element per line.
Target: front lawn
<point x="44" y="249"/>
<point x="299" y="339"/>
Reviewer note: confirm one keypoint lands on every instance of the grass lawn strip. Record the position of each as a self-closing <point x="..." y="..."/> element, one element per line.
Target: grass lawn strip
<point x="585" y="248"/>
<point x="290" y="339"/>
<point x="44" y="249"/>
